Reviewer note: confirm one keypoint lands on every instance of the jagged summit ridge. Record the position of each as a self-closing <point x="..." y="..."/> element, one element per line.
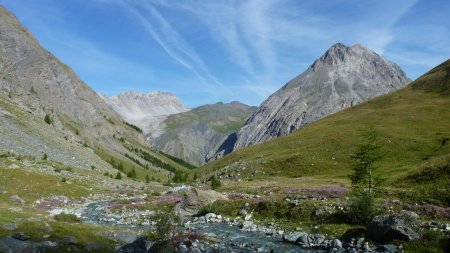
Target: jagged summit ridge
<point x="146" y="110"/>
<point x="342" y="77"/>
<point x="134" y="106"/>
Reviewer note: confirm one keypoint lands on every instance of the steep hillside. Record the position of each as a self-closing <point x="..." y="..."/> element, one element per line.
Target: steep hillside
<point x="146" y="111"/>
<point x="342" y="77"/>
<point x="192" y="135"/>
<point x="46" y="110"/>
<point x="412" y="123"/>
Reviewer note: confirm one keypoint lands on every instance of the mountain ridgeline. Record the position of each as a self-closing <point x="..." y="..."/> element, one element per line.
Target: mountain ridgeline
<point x="192" y="135"/>
<point x="47" y="111"/>
<point x="147" y="111"/>
<point x="343" y="77"/>
<point x="173" y="129"/>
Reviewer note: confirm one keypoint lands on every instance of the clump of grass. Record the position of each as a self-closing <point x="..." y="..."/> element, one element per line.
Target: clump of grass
<point x="153" y="193"/>
<point x="123" y="202"/>
<point x="70" y="218"/>
<point x="209" y="208"/>
<point x="431" y="242"/>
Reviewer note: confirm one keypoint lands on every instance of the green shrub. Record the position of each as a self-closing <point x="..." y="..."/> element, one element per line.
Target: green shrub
<point x="363" y="208"/>
<point x="209" y="208"/>
<point x="134" y="127"/>
<point x="215" y="183"/>
<point x="45" y="156"/>
<point x="118" y="176"/>
<point x="132" y="173"/>
<point x="179" y="177"/>
<point x="166" y="224"/>
<point x="70" y="218"/>
<point x="153" y="193"/>
<point x="48" y="119"/>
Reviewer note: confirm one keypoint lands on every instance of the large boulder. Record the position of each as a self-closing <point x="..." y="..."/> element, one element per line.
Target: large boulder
<point x="194" y="200"/>
<point x="163" y="247"/>
<point x="17" y="199"/>
<point x="11" y="244"/>
<point x="293" y="237"/>
<point x="402" y="226"/>
<point x="140" y="245"/>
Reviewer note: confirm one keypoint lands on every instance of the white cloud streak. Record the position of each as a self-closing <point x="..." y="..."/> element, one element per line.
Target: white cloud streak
<point x="257" y="45"/>
<point x="255" y="34"/>
<point x="170" y="40"/>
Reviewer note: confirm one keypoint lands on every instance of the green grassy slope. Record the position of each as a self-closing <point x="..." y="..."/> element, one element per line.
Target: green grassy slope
<point x="223" y="118"/>
<point x="413" y="125"/>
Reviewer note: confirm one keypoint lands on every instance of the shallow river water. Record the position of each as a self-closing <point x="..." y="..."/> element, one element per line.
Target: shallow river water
<point x="232" y="238"/>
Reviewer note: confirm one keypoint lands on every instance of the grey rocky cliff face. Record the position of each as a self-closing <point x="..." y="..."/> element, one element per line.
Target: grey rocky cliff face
<point x="341" y="78"/>
<point x="32" y="80"/>
<point x="38" y="82"/>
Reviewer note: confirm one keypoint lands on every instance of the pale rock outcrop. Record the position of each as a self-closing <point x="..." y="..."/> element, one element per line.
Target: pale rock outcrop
<point x="146" y="110"/>
<point x="194" y="200"/>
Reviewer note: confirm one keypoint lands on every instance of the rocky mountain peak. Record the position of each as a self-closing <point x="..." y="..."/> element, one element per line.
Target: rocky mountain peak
<point x="342" y="77"/>
<point x="340" y="54"/>
<point x="132" y="105"/>
<point x="146" y="110"/>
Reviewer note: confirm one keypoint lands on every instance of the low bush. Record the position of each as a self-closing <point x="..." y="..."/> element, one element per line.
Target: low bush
<point x="215" y="183"/>
<point x="70" y="218"/>
<point x="166" y="224"/>
<point x="209" y="208"/>
<point x="363" y="208"/>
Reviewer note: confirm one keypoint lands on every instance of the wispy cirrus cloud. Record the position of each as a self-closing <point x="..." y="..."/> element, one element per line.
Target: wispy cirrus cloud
<point x="209" y="50"/>
<point x="262" y="38"/>
<point x="169" y="39"/>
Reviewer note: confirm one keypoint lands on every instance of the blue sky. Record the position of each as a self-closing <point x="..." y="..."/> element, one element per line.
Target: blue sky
<point x="211" y="50"/>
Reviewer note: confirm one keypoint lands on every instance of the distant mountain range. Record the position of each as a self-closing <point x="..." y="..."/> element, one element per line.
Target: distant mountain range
<point x="174" y="129"/>
<point x="146" y="111"/>
<point x="343" y="77"/>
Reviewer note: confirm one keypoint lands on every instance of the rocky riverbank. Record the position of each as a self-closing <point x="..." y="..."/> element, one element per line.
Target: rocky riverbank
<point x="131" y="217"/>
